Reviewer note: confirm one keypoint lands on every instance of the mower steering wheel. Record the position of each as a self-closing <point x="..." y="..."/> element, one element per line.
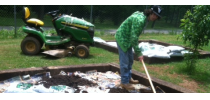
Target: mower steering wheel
<point x="53" y="13"/>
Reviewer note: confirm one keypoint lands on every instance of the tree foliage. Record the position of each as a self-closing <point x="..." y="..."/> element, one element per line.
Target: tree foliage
<point x="196" y="26"/>
<point x="196" y="31"/>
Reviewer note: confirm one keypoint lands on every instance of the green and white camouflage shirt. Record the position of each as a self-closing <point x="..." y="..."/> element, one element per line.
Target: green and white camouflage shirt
<point x="127" y="34"/>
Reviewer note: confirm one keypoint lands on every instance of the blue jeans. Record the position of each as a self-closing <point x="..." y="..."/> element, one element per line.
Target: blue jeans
<point x="126" y="62"/>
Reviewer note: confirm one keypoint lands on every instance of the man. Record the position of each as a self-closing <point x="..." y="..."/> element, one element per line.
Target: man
<point x="127" y="38"/>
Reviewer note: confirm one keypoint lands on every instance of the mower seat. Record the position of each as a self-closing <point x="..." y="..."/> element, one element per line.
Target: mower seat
<point x="32" y="21"/>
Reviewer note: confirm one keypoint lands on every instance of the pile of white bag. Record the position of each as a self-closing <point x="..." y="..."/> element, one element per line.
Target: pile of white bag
<point x="159" y="51"/>
<point x="154" y="50"/>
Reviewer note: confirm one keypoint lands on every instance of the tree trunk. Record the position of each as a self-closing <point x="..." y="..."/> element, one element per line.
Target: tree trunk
<point x="68" y="10"/>
<point x="172" y="17"/>
<point x="177" y="18"/>
<point x="41" y="12"/>
<point x="167" y="13"/>
<point x="153" y="24"/>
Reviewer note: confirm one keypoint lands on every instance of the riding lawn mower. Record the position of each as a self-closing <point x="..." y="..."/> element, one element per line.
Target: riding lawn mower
<point x="73" y="35"/>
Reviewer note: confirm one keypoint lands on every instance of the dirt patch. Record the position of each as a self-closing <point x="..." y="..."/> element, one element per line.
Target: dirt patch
<point x="62" y="60"/>
<point x="192" y="85"/>
<point x="74" y="81"/>
<point x="161" y="70"/>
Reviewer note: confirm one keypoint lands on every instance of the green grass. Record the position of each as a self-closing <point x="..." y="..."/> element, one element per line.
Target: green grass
<point x="11" y="57"/>
<point x="174" y="72"/>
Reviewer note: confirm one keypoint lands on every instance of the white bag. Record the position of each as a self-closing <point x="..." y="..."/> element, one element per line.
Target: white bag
<point x="175" y="48"/>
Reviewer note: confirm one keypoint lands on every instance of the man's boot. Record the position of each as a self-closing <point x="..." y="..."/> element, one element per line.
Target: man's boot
<point x="127" y="86"/>
<point x="132" y="81"/>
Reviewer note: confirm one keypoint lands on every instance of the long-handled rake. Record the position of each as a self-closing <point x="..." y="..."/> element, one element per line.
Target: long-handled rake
<point x="145" y="68"/>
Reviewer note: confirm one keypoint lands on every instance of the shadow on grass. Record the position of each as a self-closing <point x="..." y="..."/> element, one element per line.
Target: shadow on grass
<point x="40" y="54"/>
<point x="49" y="57"/>
<point x="72" y="56"/>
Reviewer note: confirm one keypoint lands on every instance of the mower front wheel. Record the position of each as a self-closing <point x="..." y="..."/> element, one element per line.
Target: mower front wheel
<point x="30" y="46"/>
<point x="82" y="51"/>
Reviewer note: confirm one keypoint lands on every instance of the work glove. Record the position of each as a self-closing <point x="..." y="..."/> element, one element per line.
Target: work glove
<point x="141" y="58"/>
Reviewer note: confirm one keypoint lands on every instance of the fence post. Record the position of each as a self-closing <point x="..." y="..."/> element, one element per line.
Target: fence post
<point x="15" y="20"/>
<point x="91" y="12"/>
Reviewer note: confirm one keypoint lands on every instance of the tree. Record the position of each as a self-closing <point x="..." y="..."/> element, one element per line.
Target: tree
<point x="196" y="32"/>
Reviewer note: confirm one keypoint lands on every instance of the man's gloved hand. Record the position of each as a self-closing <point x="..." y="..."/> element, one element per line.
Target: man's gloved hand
<point x="141" y="58"/>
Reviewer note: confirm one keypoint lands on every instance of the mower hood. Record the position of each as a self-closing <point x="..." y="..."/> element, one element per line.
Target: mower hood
<point x="77" y="22"/>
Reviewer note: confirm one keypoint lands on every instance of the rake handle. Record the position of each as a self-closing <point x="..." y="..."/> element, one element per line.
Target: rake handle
<point x="145" y="68"/>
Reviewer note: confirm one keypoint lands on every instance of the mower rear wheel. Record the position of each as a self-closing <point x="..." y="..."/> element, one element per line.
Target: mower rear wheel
<point x="82" y="51"/>
<point x="30" y="46"/>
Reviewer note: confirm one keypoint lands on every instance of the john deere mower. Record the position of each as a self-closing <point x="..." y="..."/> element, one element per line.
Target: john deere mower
<point x="73" y="35"/>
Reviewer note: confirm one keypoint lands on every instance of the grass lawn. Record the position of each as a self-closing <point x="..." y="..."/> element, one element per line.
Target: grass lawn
<point x="174" y="72"/>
